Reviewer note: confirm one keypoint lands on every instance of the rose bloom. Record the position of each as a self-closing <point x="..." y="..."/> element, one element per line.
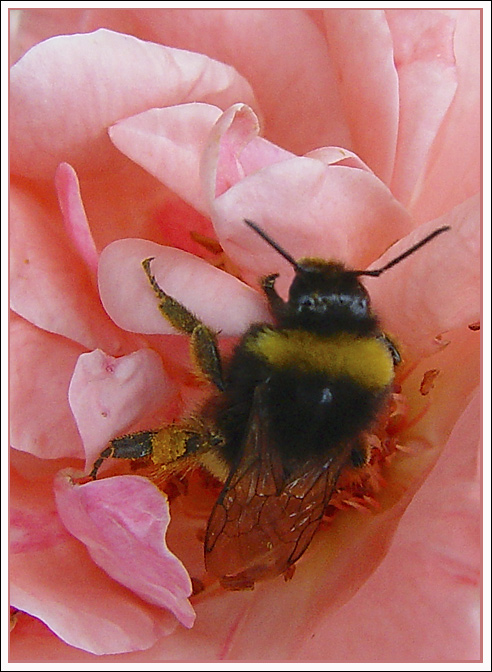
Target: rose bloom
<point x="138" y="133"/>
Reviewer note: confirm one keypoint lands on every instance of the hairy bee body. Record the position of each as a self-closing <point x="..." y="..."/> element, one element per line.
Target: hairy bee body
<point x="289" y="414"/>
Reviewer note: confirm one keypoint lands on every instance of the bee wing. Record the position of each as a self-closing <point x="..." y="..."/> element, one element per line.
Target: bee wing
<point x="262" y="521"/>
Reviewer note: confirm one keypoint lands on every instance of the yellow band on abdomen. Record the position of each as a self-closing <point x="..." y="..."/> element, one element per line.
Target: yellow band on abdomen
<point x="365" y="360"/>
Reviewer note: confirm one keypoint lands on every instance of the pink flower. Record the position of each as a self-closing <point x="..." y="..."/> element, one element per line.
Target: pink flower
<point x="371" y="135"/>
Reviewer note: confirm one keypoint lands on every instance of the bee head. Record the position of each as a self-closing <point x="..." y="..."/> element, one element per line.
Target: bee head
<point x="326" y="296"/>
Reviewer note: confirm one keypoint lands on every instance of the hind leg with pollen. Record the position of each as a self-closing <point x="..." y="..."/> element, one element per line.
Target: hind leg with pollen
<point x="171" y="448"/>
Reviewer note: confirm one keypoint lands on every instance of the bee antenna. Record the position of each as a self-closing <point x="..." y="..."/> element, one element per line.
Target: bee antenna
<point x="377" y="272"/>
<point x="273" y="244"/>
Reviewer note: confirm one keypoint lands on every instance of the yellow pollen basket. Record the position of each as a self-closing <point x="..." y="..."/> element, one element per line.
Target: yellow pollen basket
<point x="366" y="361"/>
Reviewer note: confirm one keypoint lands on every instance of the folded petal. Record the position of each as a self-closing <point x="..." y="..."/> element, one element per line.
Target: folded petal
<point x="123" y="522"/>
<point x="167" y="143"/>
<point x="220" y="300"/>
<point x="108" y="394"/>
<point x="92" y="80"/>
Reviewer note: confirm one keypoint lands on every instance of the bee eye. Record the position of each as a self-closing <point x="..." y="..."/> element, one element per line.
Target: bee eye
<point x="362" y="302"/>
<point x="306" y="303"/>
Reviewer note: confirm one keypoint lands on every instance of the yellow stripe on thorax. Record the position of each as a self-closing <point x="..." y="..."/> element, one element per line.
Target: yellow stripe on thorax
<point x="364" y="360"/>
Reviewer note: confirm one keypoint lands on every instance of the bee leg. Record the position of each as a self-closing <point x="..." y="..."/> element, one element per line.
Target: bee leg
<point x="277" y="304"/>
<point x="391" y="347"/>
<point x="129" y="447"/>
<point x="168" y="447"/>
<point x="204" y="345"/>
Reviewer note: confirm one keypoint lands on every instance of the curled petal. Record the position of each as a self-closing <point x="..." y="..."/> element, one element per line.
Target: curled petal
<point x="123" y="522"/>
<point x="74" y="216"/>
<point x="108" y="394"/>
<point x="220" y="300"/>
<point x="234" y="150"/>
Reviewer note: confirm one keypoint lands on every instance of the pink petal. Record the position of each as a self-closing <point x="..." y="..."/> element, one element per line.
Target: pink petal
<point x="424" y="58"/>
<point x="53" y="578"/>
<point x="454" y="167"/>
<point x="361" y="48"/>
<point x="50" y="286"/>
<point x="41" y="365"/>
<point x="123" y="522"/>
<point x="311" y="210"/>
<point x="438" y="288"/>
<point x="107" y="394"/>
<point x="220" y="300"/>
<point x="76" y="223"/>
<point x="89" y="82"/>
<point x="167" y="143"/>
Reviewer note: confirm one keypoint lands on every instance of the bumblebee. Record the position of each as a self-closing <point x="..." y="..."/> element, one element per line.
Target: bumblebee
<point x="288" y="413"/>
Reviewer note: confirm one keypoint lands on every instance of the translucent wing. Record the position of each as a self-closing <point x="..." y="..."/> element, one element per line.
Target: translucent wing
<point x="263" y="521"/>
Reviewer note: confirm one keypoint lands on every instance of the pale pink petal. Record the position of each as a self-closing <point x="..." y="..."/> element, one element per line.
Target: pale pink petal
<point x="281" y="53"/>
<point x="310" y="209"/>
<point x="41" y="365"/>
<point x="425" y="62"/>
<point x="53" y="577"/>
<point x="438" y="288"/>
<point x="234" y="150"/>
<point x="123" y="522"/>
<point x="220" y="300"/>
<point x="89" y="82"/>
<point x="167" y="143"/>
<point x="108" y="394"/>
<point x="50" y="285"/>
<point x="74" y="216"/>
<point x="361" y="48"/>
<point x="454" y="168"/>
